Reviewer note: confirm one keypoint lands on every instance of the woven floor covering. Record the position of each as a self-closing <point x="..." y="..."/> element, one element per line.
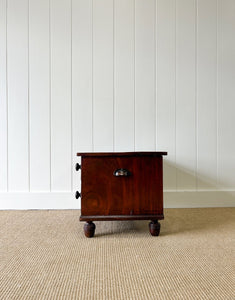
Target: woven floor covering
<point x="45" y="255"/>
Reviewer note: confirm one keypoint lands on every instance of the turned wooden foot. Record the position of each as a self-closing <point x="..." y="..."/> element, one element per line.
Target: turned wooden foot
<point x="154" y="227"/>
<point x="89" y="229"/>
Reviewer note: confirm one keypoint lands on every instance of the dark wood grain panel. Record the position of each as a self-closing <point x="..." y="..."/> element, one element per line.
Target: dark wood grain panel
<point x="104" y="194"/>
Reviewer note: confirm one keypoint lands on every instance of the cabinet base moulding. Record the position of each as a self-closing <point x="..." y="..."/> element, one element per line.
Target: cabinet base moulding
<point x="121" y="218"/>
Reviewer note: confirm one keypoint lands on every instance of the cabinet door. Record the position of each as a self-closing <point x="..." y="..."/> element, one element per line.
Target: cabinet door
<point x="138" y="193"/>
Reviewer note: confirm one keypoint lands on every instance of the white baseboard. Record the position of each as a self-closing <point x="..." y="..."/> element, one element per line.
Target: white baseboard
<point x="66" y="200"/>
<point x="190" y="199"/>
<point x="39" y="200"/>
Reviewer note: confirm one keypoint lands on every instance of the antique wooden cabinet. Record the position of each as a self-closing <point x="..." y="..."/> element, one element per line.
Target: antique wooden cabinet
<point x="121" y="186"/>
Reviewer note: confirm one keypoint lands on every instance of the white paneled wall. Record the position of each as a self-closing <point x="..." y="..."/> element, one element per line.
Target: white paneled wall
<point x="116" y="75"/>
<point x="166" y="86"/>
<point x="39" y="95"/>
<point x="226" y="94"/>
<point x="18" y="95"/>
<point x="124" y="75"/>
<point x="145" y="79"/>
<point x="206" y="94"/>
<point x="185" y="110"/>
<point x="61" y="112"/>
<point x="3" y="100"/>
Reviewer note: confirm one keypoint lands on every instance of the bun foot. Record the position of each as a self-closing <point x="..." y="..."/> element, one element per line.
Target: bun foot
<point x="154" y="228"/>
<point x="89" y="229"/>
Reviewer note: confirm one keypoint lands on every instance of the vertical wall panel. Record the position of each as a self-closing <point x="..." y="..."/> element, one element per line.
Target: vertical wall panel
<point x="124" y="75"/>
<point x="226" y="93"/>
<point x="103" y="75"/>
<point x="39" y="95"/>
<point x="166" y="88"/>
<point x="81" y="81"/>
<point x="185" y="94"/>
<point x="17" y="45"/>
<point x="145" y="133"/>
<point x="3" y="96"/>
<point x="60" y="95"/>
<point x="82" y="74"/>
<point x="207" y="94"/>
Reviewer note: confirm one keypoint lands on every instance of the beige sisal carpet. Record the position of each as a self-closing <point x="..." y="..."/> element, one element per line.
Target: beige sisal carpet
<point x="44" y="255"/>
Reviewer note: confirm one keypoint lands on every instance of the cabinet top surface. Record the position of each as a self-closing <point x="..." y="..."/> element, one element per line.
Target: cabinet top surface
<point x="95" y="154"/>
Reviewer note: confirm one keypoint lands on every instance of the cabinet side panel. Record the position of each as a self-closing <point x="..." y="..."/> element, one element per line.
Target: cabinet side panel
<point x="148" y="185"/>
<point x="137" y="194"/>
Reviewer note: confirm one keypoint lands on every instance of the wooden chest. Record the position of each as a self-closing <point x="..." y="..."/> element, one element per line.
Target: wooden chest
<point x="121" y="186"/>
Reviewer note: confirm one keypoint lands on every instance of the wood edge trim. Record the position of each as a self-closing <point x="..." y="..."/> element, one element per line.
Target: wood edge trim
<point x="121" y="217"/>
<point x="116" y="154"/>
